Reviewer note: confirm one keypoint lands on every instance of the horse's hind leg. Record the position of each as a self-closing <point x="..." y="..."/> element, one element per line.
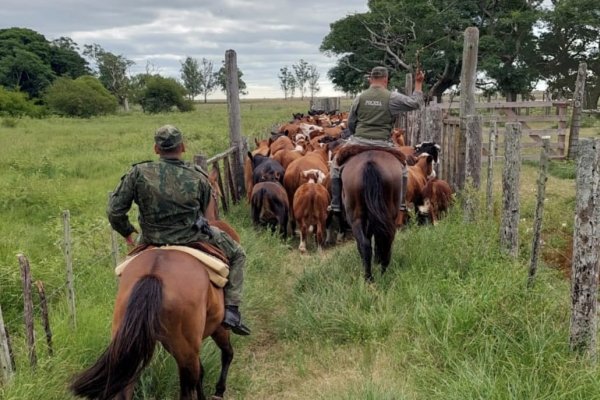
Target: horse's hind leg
<point x="222" y="340"/>
<point x="383" y="251"/>
<point x="189" y="372"/>
<point x="364" y="248"/>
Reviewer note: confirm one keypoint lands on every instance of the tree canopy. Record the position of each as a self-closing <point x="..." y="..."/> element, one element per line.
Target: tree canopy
<point x="406" y="34"/>
<point x="29" y="62"/>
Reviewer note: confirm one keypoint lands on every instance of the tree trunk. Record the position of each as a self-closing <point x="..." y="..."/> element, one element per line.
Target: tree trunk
<point x="126" y="104"/>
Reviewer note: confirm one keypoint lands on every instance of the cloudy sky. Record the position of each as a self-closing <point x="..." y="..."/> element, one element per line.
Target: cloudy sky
<point x="266" y="34"/>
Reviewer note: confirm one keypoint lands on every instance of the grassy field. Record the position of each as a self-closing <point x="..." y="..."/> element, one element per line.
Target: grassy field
<point x="452" y="318"/>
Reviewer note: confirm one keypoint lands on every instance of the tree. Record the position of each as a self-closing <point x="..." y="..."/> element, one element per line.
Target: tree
<point x="405" y="34"/>
<point x="83" y="97"/>
<point x="191" y="77"/>
<point x="29" y="62"/>
<point x="570" y="33"/>
<point x="313" y="80"/>
<point x="65" y="59"/>
<point x="301" y="76"/>
<point x="113" y="72"/>
<point x="209" y="79"/>
<point x="221" y="77"/>
<point x="287" y="82"/>
<point x="160" y="94"/>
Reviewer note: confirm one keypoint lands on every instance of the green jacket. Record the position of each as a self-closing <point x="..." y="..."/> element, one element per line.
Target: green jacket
<point x="170" y="195"/>
<point x="373" y="114"/>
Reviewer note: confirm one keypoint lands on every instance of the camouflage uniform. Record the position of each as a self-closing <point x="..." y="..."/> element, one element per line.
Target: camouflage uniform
<point x="171" y="196"/>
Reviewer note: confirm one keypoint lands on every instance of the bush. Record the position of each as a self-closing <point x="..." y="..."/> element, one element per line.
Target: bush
<point x="82" y="97"/>
<point x="161" y="94"/>
<point x="17" y="104"/>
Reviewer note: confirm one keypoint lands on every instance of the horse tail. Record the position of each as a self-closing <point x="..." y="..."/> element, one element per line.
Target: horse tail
<point x="131" y="348"/>
<point x="379" y="221"/>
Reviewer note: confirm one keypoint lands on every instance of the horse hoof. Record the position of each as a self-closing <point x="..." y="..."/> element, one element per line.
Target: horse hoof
<point x="216" y="398"/>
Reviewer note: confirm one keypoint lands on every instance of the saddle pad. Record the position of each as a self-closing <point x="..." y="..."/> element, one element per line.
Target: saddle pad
<point x="348" y="151"/>
<point x="217" y="269"/>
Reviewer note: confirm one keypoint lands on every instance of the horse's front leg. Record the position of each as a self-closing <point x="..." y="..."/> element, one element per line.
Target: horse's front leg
<point x="222" y="340"/>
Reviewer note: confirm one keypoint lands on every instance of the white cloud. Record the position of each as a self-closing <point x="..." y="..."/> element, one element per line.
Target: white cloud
<point x="266" y="35"/>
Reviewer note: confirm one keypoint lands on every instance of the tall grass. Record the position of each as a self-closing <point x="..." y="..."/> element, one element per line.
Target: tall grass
<point x="451" y="319"/>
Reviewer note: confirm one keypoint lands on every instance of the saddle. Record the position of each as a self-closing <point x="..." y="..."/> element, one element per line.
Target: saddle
<point x="347" y="152"/>
<point x="214" y="259"/>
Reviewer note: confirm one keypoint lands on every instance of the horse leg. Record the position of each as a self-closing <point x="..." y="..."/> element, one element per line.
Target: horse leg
<point x="222" y="340"/>
<point x="127" y="393"/>
<point x="189" y="372"/>
<point x="383" y="251"/>
<point x="364" y="248"/>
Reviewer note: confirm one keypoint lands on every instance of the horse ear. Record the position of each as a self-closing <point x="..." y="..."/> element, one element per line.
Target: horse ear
<point x="214" y="175"/>
<point x="250" y="156"/>
<point x="256" y="142"/>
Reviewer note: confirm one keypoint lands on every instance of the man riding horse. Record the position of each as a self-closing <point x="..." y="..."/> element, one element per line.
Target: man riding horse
<point x="371" y="118"/>
<point x="172" y="197"/>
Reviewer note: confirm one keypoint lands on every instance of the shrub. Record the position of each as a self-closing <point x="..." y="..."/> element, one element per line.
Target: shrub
<point x="161" y="94"/>
<point x="82" y="97"/>
<point x="17" y="104"/>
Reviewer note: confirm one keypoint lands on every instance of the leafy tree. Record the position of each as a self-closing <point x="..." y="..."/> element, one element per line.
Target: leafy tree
<point x="209" y="80"/>
<point x="191" y="77"/>
<point x="221" y="77"/>
<point x="29" y="62"/>
<point x="287" y="82"/>
<point x="65" y="59"/>
<point x="83" y="97"/>
<point x="160" y="94"/>
<point x="570" y="33"/>
<point x="313" y="80"/>
<point x="406" y="34"/>
<point x="25" y="61"/>
<point x="301" y="76"/>
<point x="17" y="104"/>
<point x="112" y="70"/>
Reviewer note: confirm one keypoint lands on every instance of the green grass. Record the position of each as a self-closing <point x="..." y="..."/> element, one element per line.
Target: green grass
<point x="451" y="319"/>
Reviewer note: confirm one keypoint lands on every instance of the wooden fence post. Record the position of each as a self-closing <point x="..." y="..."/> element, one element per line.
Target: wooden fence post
<point x="472" y="166"/>
<point x="539" y="209"/>
<point x="6" y="367"/>
<point x="584" y="276"/>
<point x="434" y="132"/>
<point x="468" y="76"/>
<point x="28" y="308"/>
<point x="509" y="230"/>
<point x="45" y="316"/>
<point x="490" y="170"/>
<point x="474" y="147"/>
<point x="578" y="96"/>
<point x="69" y="263"/>
<point x="235" y="121"/>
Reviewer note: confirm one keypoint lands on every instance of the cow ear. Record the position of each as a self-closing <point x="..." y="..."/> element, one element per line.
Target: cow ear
<point x="250" y="156"/>
<point x="429" y="158"/>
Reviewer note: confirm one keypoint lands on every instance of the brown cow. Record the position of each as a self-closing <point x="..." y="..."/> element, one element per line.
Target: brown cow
<point x="293" y="178"/>
<point x="270" y="206"/>
<point x="310" y="208"/>
<point x="437" y="195"/>
<point x="280" y="144"/>
<point x="417" y="179"/>
<point x="286" y="157"/>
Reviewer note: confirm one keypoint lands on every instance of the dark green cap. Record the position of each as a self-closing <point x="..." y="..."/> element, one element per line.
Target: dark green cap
<point x="168" y="137"/>
<point x="379" y="72"/>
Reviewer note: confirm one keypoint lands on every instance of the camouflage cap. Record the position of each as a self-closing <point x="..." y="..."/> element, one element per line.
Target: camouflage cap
<point x="168" y="137"/>
<point x="379" y="72"/>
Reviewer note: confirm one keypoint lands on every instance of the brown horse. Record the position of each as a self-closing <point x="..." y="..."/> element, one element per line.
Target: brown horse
<point x="164" y="296"/>
<point x="371" y="195"/>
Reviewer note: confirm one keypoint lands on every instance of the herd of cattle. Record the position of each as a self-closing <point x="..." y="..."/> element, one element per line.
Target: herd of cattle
<point x="288" y="178"/>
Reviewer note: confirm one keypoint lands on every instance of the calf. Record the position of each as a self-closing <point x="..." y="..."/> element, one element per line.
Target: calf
<point x="270" y="206"/>
<point x="437" y="199"/>
<point x="310" y="208"/>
